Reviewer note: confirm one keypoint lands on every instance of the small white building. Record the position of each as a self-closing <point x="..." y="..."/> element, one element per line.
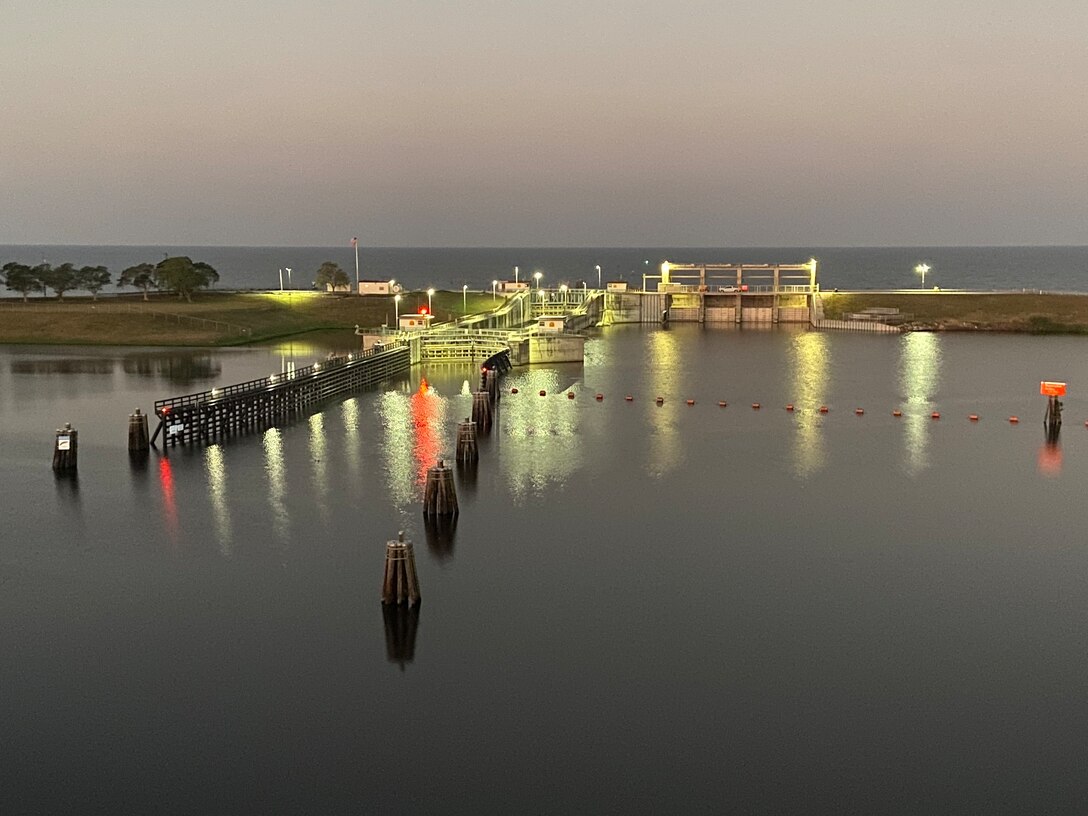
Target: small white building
<point x="375" y="287"/>
<point x="616" y="286"/>
<point x="415" y="322"/>
<point x="513" y="286"/>
<point x="550" y="325"/>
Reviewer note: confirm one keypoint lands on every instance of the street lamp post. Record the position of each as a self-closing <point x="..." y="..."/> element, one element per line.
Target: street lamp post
<point x="494" y="290"/>
<point x="563" y="294"/>
<point x="922" y="268"/>
<point x="538" y="276"/>
<point x="396" y="306"/>
<point x="430" y="292"/>
<point x="464" y="298"/>
<point x="598" y="276"/>
<point x="281" y="278"/>
<point x="515" y="277"/>
<point x="289" y="286"/>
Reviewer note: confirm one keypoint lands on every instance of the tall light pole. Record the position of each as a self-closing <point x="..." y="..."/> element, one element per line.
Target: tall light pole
<point x="355" y="244"/>
<point x="494" y="288"/>
<point x="515" y="277"/>
<point x="396" y="306"/>
<point x="430" y="292"/>
<point x="464" y="298"/>
<point x="598" y="276"/>
<point x="538" y="276"/>
<point x="289" y="286"/>
<point x="922" y="268"/>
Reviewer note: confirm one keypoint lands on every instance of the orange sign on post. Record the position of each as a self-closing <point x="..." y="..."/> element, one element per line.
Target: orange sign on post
<point x="1052" y="389"/>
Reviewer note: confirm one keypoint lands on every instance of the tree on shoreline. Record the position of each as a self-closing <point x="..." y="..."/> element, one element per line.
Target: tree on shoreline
<point x="181" y="275"/>
<point x="60" y="279"/>
<point x="141" y="276"/>
<point x="21" y="278"/>
<point x="330" y="274"/>
<point x="92" y="278"/>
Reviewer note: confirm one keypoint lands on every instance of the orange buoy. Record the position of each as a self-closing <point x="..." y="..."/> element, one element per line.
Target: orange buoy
<point x="570" y="395"/>
<point x="721" y="403"/>
<point x="660" y="400"/>
<point x="513" y="390"/>
<point x="1015" y="419"/>
<point x="935" y="415"/>
<point x="755" y="406"/>
<point x="823" y="409"/>
<point x="897" y="413"/>
<point x="628" y="398"/>
<point x="859" y="411"/>
<point x="691" y="402"/>
<point x="543" y="393"/>
<point x="789" y="406"/>
<point x="973" y="417"/>
<point x="600" y="397"/>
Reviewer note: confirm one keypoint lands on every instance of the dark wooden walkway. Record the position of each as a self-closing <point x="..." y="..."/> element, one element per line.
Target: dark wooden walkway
<point x="258" y="404"/>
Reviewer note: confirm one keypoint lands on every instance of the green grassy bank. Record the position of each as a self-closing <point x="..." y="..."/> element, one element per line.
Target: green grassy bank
<point x="213" y="318"/>
<point x="971" y="311"/>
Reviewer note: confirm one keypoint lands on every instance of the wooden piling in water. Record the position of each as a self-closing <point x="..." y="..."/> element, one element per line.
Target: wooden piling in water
<point x="481" y="411"/>
<point x="66" y="449"/>
<point x="439" y="493"/>
<point x="137" y="433"/>
<point x="400" y="584"/>
<point x="467" y="451"/>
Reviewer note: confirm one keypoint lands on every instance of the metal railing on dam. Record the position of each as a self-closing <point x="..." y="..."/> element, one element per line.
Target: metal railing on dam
<point x="212" y="415"/>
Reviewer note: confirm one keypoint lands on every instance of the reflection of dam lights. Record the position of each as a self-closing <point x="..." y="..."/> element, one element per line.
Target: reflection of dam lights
<point x="277" y="480"/>
<point x="919" y="379"/>
<point x="546" y="432"/>
<point x="216" y="469"/>
<point x="428" y="416"/>
<point x="665" y="451"/>
<point x="169" y="504"/>
<point x="318" y="455"/>
<point x="809" y="364"/>
<point x="397" y="445"/>
<point x="349" y="410"/>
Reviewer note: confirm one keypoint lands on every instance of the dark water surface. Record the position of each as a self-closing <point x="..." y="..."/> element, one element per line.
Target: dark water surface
<point x="642" y="609"/>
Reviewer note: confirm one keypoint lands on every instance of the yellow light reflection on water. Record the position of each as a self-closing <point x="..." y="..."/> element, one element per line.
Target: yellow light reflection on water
<point x="274" y="467"/>
<point x="349" y="410"/>
<point x="919" y="380"/>
<point x="318" y="456"/>
<point x="665" y="448"/>
<point x="546" y="431"/>
<point x="809" y="364"/>
<point x="397" y="446"/>
<point x="216" y="469"/>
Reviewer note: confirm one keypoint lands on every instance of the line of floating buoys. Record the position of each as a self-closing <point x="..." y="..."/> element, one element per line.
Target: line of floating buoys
<point x="897" y="413"/>
<point x="973" y="417"/>
<point x="691" y="402"/>
<point x="859" y="411"/>
<point x="789" y="406"/>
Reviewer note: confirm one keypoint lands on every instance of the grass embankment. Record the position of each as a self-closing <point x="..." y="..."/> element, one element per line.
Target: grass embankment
<point x="213" y="318"/>
<point x="970" y="311"/>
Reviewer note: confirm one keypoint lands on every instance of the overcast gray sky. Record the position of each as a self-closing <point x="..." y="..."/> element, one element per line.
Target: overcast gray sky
<point x="544" y="122"/>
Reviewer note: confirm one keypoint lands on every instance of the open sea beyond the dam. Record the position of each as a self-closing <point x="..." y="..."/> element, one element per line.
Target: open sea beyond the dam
<point x="1055" y="269"/>
<point x="642" y="608"/>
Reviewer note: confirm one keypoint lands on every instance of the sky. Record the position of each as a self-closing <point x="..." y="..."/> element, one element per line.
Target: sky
<point x="544" y="122"/>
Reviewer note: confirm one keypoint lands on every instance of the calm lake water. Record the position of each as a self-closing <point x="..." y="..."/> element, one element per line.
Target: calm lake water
<point x="642" y="609"/>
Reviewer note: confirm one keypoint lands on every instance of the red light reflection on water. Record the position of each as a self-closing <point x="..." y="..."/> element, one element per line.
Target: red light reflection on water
<point x="170" y="508"/>
<point x="1050" y="459"/>
<point x="426" y="410"/>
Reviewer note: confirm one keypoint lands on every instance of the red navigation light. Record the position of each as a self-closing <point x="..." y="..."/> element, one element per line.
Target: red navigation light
<point x="423" y="310"/>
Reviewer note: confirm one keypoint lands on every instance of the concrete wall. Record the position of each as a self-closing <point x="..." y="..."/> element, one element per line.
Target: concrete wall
<point x="563" y="348"/>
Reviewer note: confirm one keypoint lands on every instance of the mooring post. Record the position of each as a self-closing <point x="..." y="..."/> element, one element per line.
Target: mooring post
<point x="66" y="449"/>
<point x="467" y="451"/>
<point x="400" y="584"/>
<point x="481" y="411"/>
<point x="138" y="441"/>
<point x="439" y="493"/>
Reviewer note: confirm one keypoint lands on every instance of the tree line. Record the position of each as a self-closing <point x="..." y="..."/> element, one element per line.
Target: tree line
<point x="179" y="275"/>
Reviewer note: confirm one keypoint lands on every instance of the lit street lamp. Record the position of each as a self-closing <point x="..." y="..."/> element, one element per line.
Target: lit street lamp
<point x="598" y="276"/>
<point x="281" y="278"/>
<point x="396" y="306"/>
<point x="494" y="290"/>
<point x="464" y="298"/>
<point x="430" y="292"/>
<point x="515" y="277"/>
<point x="563" y="293"/>
<point x="538" y="276"/>
<point x="289" y="286"/>
<point x="922" y="268"/>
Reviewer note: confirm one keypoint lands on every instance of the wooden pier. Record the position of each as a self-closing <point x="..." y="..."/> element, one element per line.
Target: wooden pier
<point x="213" y="415"/>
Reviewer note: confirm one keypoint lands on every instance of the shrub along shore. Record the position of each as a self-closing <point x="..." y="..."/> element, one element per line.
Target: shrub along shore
<point x="238" y="318"/>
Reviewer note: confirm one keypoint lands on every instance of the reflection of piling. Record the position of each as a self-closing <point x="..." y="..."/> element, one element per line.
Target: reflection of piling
<point x="137" y="433"/>
<point x="481" y="411"/>
<point x="439" y="494"/>
<point x="400" y="584"/>
<point x="440" y="532"/>
<point x="466" y="475"/>
<point x="1052" y="420"/>
<point x="401" y="623"/>
<point x="66" y="449"/>
<point x="466" y="441"/>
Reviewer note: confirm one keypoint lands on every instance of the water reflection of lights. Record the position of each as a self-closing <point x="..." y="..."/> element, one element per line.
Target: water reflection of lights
<point x="318" y="456"/>
<point x="277" y="481"/>
<point x="1050" y="459"/>
<point x="665" y="445"/>
<point x="169" y="503"/>
<point x="349" y="410"/>
<point x="808" y="375"/>
<point x="415" y="436"/>
<point x="216" y="469"/>
<point x="546" y="432"/>
<point x="428" y="421"/>
<point x="919" y="379"/>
